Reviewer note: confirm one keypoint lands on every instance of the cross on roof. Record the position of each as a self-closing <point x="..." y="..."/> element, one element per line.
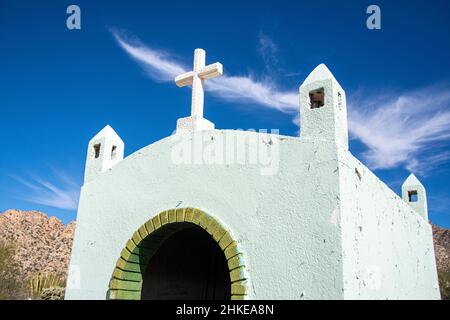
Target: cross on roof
<point x="196" y="77"/>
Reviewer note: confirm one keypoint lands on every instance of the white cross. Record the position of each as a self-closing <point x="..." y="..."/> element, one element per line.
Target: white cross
<point x="196" y="77"/>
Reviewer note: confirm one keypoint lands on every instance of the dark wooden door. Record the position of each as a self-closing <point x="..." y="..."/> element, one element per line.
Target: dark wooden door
<point x="189" y="266"/>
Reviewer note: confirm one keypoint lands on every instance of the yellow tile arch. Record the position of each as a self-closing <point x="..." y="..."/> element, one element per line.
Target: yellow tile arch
<point x="126" y="281"/>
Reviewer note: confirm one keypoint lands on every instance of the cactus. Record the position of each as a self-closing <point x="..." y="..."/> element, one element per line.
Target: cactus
<point x="39" y="282"/>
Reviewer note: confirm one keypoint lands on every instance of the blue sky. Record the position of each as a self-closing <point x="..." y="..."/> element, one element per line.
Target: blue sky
<point x="59" y="87"/>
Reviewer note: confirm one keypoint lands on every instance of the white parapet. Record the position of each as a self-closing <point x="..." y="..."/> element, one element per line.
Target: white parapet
<point x="104" y="151"/>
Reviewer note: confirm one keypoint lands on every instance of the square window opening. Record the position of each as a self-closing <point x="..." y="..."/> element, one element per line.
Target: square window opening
<point x="97" y="150"/>
<point x="317" y="98"/>
<point x="412" y="195"/>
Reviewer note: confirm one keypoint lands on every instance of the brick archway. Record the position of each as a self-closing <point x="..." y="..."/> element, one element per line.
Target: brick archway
<point x="127" y="278"/>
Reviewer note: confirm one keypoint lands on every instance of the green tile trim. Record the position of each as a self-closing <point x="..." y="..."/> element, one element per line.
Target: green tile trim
<point x="143" y="231"/>
<point x="127" y="275"/>
<point x="197" y="216"/>
<point x="236" y="262"/>
<point x="149" y="226"/>
<point x="164" y="217"/>
<point x="238" y="274"/>
<point x="128" y="256"/>
<point x="239" y="288"/>
<point x="157" y="222"/>
<point x="180" y="215"/>
<point x="126" y="282"/>
<point x="188" y="214"/>
<point x="225" y="241"/>
<point x="136" y="237"/>
<point x="124" y="295"/>
<point x="129" y="266"/>
<point x="232" y="250"/>
<point x="172" y="216"/>
<point x="125" y="285"/>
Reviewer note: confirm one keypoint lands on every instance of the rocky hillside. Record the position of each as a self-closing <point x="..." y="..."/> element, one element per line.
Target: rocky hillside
<point x="42" y="244"/>
<point x="442" y="248"/>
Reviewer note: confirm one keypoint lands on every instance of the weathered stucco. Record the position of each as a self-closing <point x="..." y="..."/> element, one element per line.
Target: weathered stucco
<point x="387" y="246"/>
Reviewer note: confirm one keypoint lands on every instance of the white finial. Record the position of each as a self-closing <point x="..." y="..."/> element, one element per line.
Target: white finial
<point x="200" y="72"/>
<point x="320" y="73"/>
<point x="414" y="194"/>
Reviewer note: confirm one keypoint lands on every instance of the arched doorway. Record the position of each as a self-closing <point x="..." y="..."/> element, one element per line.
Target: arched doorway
<point x="180" y="254"/>
<point x="189" y="265"/>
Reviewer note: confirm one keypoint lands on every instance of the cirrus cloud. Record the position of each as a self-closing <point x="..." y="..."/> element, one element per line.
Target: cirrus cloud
<point x="159" y="66"/>
<point x="58" y="190"/>
<point x="409" y="129"/>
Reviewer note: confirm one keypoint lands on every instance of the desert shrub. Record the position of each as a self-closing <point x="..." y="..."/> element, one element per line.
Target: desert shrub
<point x="12" y="286"/>
<point x="444" y="285"/>
<point x="53" y="293"/>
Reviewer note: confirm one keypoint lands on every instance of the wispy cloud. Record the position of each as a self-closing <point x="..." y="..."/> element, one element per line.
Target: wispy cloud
<point x="157" y="64"/>
<point x="398" y="130"/>
<point x="408" y="129"/>
<point x="62" y="192"/>
<point x="424" y="164"/>
<point x="161" y="66"/>
<point x="268" y="51"/>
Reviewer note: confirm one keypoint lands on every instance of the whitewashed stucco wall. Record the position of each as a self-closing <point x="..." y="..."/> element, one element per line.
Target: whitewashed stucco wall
<point x="387" y="246"/>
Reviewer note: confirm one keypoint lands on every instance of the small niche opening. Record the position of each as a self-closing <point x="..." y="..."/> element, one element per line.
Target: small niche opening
<point x="412" y="195"/>
<point x="317" y="98"/>
<point x="114" y="153"/>
<point x="97" y="150"/>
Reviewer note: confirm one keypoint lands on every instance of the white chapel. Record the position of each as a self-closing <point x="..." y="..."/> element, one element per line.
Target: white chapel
<point x="211" y="213"/>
